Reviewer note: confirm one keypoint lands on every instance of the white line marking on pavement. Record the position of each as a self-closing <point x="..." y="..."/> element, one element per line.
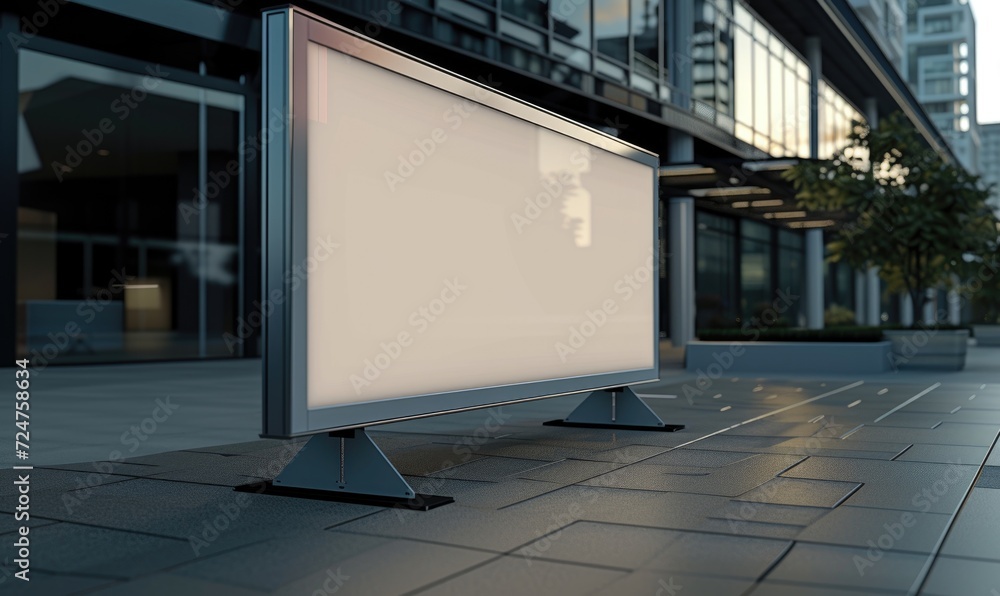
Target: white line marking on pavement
<point x="908" y="402"/>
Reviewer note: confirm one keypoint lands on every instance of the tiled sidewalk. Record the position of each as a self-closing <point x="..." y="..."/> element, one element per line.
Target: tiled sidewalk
<point x="775" y="487"/>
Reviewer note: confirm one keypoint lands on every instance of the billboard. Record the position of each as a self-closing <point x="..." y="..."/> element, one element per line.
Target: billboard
<point x="433" y="245"/>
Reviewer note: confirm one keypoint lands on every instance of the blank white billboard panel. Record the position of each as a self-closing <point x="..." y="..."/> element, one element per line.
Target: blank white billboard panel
<point x="460" y="248"/>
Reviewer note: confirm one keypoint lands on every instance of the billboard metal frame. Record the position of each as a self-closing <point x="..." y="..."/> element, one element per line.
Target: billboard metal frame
<point x="287" y="33"/>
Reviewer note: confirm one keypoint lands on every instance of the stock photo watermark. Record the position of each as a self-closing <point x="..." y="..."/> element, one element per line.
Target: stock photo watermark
<point x="424" y="147"/>
<point x="594" y="320"/>
<point x="133" y="438"/>
<point x="122" y="107"/>
<point x="895" y="531"/>
<point x="294" y="278"/>
<point x="420" y="320"/>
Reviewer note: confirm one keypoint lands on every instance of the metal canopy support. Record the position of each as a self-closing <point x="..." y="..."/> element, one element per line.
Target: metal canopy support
<point x="347" y="466"/>
<point x="617" y="408"/>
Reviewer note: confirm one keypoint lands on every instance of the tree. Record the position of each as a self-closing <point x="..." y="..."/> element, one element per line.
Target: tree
<point x="981" y="285"/>
<point x="905" y="208"/>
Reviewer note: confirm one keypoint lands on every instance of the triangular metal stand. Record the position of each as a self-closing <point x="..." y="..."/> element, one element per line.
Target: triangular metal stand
<point x="617" y="408"/>
<point x="346" y="466"/>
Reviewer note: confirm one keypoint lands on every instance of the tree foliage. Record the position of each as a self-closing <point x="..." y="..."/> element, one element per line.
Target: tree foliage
<point x="908" y="211"/>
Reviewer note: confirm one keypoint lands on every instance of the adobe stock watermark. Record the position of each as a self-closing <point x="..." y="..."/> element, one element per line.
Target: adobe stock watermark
<point x="668" y="587"/>
<point x="872" y="215"/>
<point x="895" y="531"/>
<point x="332" y="582"/>
<point x="553" y="532"/>
<point x="72" y="333"/>
<point x="575" y="511"/>
<point x="749" y="510"/>
<point x="594" y="320"/>
<point x="31" y="25"/>
<point x="420" y="321"/>
<point x="464" y="450"/>
<point x="918" y="339"/>
<point x="554" y="186"/>
<point x="294" y="278"/>
<point x="218" y="180"/>
<point x="133" y="438"/>
<point x="423" y="148"/>
<point x="122" y="107"/>
<point x="726" y="358"/>
<point x="229" y="513"/>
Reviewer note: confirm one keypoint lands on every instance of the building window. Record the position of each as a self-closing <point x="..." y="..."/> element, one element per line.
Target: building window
<point x="646" y="37"/>
<point x="571" y="21"/>
<point x="939" y="86"/>
<point x="716" y="272"/>
<point x="532" y="11"/>
<point x="755" y="268"/>
<point x="611" y="28"/>
<point x="770" y="89"/>
<point x="129" y="213"/>
<point x="836" y="119"/>
<point x="943" y="24"/>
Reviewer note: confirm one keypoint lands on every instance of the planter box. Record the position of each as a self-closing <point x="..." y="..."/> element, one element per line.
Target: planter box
<point x="924" y="348"/>
<point x="717" y="358"/>
<point x="987" y="335"/>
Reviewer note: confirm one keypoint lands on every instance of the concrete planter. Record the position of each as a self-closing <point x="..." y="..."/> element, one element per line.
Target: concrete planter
<point x="987" y="335"/>
<point x="717" y="358"/>
<point x="928" y="348"/>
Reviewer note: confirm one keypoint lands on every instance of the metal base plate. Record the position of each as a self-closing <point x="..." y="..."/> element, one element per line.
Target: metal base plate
<point x="418" y="503"/>
<point x="668" y="428"/>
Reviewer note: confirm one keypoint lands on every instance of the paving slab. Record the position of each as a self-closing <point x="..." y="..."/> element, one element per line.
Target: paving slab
<point x="975" y="531"/>
<point x="490" y="469"/>
<point x="801" y="492"/>
<point x="989" y="477"/>
<point x="903" y="531"/>
<point x="731" y="480"/>
<point x="945" y="454"/>
<point x="951" y="575"/>
<point x="674" y="584"/>
<point x="602" y="544"/>
<point x="848" y="568"/>
<point x="512" y="575"/>
<point x="719" y="555"/>
<point x="99" y="552"/>
<point x="912" y="486"/>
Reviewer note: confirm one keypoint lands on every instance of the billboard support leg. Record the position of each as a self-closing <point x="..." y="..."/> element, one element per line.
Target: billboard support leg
<point x="616" y="408"/>
<point x="346" y="466"/>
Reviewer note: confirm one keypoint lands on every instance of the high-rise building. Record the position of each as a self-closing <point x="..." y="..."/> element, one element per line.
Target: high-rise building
<point x="886" y="20"/>
<point x="940" y="66"/>
<point x="989" y="157"/>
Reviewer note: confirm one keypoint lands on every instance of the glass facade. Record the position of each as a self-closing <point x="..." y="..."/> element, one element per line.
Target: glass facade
<point x="712" y="53"/>
<point x="716" y="296"/>
<point x="741" y="266"/>
<point x="129" y="215"/>
<point x="771" y="89"/>
<point x="140" y="233"/>
<point x="756" y="273"/>
<point x="836" y="120"/>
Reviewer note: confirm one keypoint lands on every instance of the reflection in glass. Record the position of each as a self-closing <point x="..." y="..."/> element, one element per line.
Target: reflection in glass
<point x="611" y="28"/>
<point x="755" y="268"/>
<point x="760" y="98"/>
<point x="791" y="270"/>
<point x="533" y="11"/>
<point x="743" y="71"/>
<point x="571" y="21"/>
<point x="711" y="51"/>
<point x="777" y="107"/>
<point x="646" y="37"/>
<point x="716" y="272"/>
<point x="117" y="238"/>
